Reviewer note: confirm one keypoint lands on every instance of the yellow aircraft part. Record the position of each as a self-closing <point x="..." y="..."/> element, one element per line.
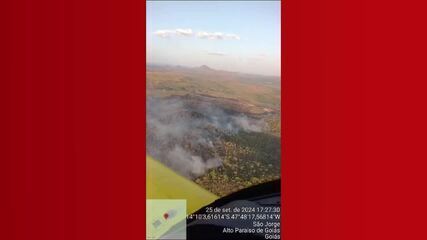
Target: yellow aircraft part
<point x="164" y="183"/>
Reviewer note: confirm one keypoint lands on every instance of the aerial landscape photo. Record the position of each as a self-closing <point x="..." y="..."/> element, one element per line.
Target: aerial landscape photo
<point x="213" y="92"/>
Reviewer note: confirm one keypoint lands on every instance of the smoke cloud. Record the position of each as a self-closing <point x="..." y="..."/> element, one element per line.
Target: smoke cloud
<point x="185" y="133"/>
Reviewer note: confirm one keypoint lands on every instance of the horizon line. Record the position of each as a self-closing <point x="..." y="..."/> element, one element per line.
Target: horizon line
<point x="216" y="69"/>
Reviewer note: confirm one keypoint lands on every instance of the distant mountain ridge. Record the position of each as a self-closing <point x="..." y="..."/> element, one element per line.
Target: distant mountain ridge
<point x="202" y="68"/>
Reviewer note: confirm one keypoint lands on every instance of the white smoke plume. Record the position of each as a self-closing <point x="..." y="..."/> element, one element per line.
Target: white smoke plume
<point x="184" y="132"/>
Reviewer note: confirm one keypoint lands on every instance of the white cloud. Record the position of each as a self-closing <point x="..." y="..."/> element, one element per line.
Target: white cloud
<point x="169" y="33"/>
<point x="232" y="36"/>
<point x="187" y="32"/>
<point x="184" y="32"/>
<point x="164" y="33"/>
<point x="217" y="35"/>
<point x="207" y="35"/>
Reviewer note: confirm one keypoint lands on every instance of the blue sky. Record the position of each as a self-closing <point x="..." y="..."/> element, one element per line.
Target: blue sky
<point x="231" y="35"/>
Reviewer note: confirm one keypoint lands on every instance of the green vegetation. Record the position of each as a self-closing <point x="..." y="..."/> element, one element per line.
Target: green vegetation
<point x="257" y="95"/>
<point x="247" y="157"/>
